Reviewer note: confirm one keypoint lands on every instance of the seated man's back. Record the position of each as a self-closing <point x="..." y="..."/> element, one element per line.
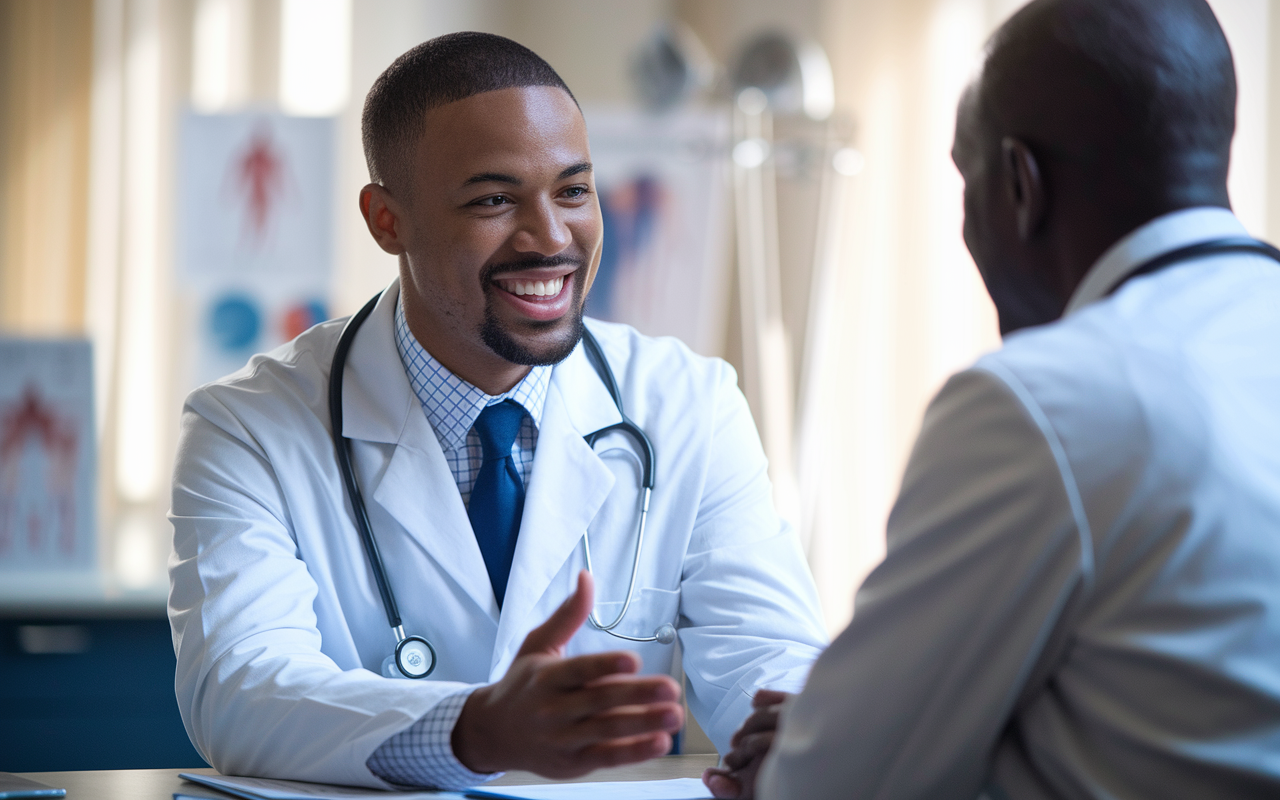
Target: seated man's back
<point x="1161" y="662"/>
<point x="1081" y="595"/>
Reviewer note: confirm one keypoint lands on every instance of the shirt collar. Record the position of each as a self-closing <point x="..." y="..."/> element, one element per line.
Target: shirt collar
<point x="451" y="404"/>
<point x="1159" y="236"/>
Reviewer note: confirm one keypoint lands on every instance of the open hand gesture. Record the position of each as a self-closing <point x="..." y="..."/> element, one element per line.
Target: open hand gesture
<point x="563" y="717"/>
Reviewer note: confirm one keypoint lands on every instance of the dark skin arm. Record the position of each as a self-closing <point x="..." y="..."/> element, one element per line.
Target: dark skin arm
<point x="736" y="780"/>
<point x="563" y="717"/>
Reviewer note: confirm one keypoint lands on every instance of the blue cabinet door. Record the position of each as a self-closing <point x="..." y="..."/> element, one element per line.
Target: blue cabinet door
<point x="80" y="694"/>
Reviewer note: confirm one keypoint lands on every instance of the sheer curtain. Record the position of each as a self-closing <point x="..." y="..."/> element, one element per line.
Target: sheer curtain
<point x="910" y="307"/>
<point x="45" y="80"/>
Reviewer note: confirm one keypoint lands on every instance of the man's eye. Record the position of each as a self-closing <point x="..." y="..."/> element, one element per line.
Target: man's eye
<point x="574" y="192"/>
<point x="496" y="200"/>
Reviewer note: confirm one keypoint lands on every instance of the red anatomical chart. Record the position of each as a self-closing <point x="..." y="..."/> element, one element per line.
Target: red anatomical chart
<point x="38" y="450"/>
<point x="47" y="511"/>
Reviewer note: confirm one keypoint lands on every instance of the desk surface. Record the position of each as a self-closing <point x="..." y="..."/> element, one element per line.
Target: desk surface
<point x="160" y="784"/>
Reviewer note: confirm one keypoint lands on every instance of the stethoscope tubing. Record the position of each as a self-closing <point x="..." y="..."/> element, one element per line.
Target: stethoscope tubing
<point x="342" y="448"/>
<point x="342" y="452"/>
<point x="635" y="570"/>
<point x="1214" y="247"/>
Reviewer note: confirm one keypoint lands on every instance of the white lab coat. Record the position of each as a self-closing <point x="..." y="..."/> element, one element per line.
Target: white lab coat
<point x="277" y="623"/>
<point x="1081" y="597"/>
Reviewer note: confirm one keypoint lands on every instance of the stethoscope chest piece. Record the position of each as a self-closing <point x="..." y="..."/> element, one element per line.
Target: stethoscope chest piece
<point x="414" y="658"/>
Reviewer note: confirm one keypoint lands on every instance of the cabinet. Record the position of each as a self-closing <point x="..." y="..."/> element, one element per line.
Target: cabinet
<point x="89" y="692"/>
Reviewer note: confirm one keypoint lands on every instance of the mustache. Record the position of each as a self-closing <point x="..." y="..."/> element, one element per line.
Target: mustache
<point x="494" y="270"/>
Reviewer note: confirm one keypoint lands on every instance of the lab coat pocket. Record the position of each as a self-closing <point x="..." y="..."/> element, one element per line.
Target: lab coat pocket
<point x="650" y="609"/>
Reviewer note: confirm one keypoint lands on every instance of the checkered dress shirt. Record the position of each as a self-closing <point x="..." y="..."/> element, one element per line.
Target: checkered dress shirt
<point x="452" y="406"/>
<point x="422" y="754"/>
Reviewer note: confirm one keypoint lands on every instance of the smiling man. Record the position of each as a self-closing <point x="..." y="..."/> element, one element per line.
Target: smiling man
<point x="488" y="450"/>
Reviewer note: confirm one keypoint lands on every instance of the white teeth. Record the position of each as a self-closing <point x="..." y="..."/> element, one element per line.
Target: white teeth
<point x="549" y="288"/>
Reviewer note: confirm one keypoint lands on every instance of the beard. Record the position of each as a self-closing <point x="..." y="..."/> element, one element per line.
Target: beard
<point x="513" y="348"/>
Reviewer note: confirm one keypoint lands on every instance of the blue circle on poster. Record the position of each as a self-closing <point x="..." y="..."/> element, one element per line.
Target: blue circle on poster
<point x="235" y="322"/>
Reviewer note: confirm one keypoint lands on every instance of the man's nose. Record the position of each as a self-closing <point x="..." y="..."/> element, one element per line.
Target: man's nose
<point x="543" y="229"/>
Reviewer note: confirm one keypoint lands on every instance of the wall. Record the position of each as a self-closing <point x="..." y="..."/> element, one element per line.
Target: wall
<point x="45" y="78"/>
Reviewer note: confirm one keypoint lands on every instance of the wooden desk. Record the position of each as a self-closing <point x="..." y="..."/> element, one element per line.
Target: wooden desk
<point x="160" y="784"/>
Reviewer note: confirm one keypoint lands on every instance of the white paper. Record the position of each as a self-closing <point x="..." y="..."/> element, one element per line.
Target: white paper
<point x="674" y="789"/>
<point x="269" y="789"/>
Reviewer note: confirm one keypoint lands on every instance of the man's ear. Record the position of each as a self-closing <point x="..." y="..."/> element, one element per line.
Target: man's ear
<point x="1025" y="184"/>
<point x="382" y="214"/>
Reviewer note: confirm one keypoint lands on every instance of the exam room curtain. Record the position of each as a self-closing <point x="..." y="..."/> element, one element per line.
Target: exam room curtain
<point x="46" y="74"/>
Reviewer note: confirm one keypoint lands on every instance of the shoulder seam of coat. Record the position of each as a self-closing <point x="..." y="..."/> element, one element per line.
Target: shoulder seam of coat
<point x="1020" y="391"/>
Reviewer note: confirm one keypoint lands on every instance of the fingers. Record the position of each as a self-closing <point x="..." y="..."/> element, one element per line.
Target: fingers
<point x="769" y="697"/>
<point x="623" y="723"/>
<point x="625" y="751"/>
<point x="551" y="636"/>
<point x="577" y="672"/>
<point x="750" y="748"/>
<point x="766" y="719"/>
<point x="620" y="690"/>
<point x="722" y="784"/>
<point x="737" y="779"/>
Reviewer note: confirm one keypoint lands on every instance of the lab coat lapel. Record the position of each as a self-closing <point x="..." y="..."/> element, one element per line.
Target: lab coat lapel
<point x="417" y="487"/>
<point x="567" y="486"/>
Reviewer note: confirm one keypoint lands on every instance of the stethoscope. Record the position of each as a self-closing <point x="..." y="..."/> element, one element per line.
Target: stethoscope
<point x="414" y="657"/>
<point x="1235" y="244"/>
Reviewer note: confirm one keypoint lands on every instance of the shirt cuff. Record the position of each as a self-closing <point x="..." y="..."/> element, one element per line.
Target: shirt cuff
<point x="422" y="754"/>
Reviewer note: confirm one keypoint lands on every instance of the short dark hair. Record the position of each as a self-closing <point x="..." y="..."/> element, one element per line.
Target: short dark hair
<point x="439" y="71"/>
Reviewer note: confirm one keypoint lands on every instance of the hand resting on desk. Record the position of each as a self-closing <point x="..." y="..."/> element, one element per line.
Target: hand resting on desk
<point x="751" y="743"/>
<point x="563" y="717"/>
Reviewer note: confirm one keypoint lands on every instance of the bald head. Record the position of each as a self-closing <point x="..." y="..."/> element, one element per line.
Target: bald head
<point x="1141" y="90"/>
<point x="1089" y="119"/>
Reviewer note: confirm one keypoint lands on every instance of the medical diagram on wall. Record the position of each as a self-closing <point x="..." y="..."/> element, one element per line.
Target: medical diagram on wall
<point x="47" y="455"/>
<point x="664" y="187"/>
<point x="255" y="234"/>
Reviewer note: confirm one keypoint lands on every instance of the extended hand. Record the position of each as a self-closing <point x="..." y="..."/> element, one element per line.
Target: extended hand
<point x="562" y="717"/>
<point x="751" y="743"/>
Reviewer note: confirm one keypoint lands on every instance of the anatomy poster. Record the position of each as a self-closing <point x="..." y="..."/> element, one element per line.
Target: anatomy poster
<point x="255" y="238"/>
<point x="663" y="183"/>
<point x="47" y="455"/>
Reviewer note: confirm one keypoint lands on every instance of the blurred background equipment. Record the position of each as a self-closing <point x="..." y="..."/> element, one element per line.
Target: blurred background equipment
<point x="671" y="68"/>
<point x="772" y="78"/>
<point x="794" y="76"/>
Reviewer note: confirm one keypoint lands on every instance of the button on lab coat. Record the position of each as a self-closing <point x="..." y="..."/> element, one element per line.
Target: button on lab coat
<point x="277" y="621"/>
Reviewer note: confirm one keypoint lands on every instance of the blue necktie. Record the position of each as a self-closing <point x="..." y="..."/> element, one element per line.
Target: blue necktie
<point x="497" y="499"/>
